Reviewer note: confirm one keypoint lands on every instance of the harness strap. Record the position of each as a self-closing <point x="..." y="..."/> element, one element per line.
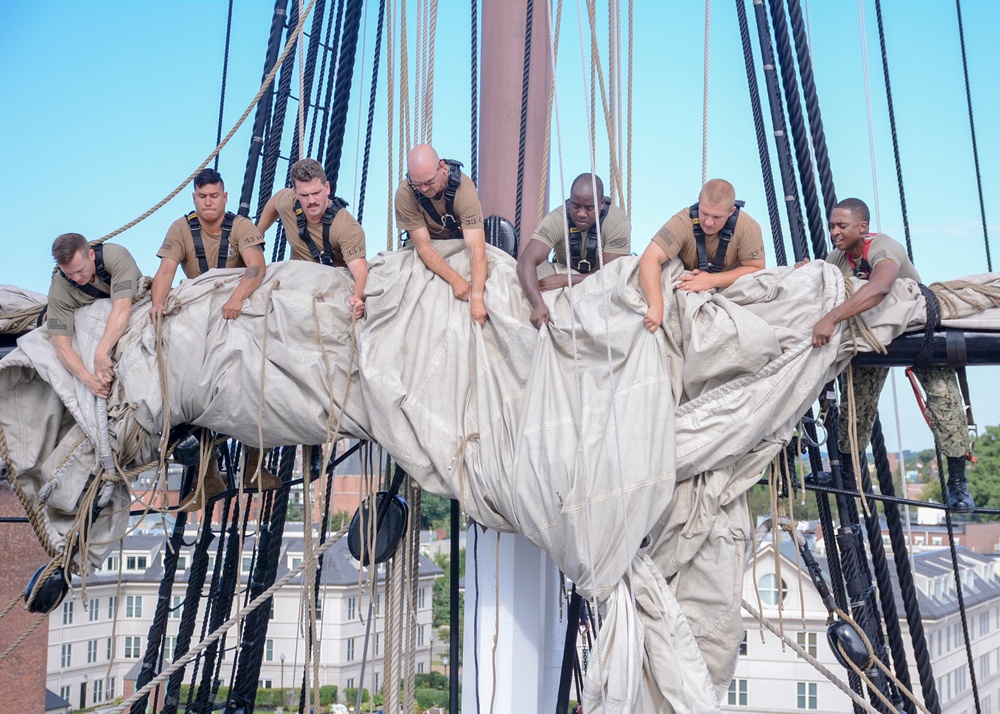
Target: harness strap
<point x="199" y="245"/>
<point x="725" y="236"/>
<point x="863" y="268"/>
<point x="448" y="220"/>
<point x="583" y="256"/>
<point x="328" y="255"/>
<point x="102" y="273"/>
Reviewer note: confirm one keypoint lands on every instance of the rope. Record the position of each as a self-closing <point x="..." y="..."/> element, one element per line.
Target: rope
<point x="892" y="127"/>
<point x="628" y="153"/>
<point x="225" y="73"/>
<point x="758" y="125"/>
<point x="523" y="126"/>
<point x="496" y="614"/>
<point x="265" y="85"/>
<point x="948" y="295"/>
<point x="543" y="186"/>
<point x="868" y="108"/>
<point x="389" y="77"/>
<point x="975" y="158"/>
<point x="345" y="75"/>
<point x="325" y="72"/>
<point x="474" y="102"/>
<point x="704" y="100"/>
<point x="371" y="113"/>
<point x="816" y="664"/>
<point x="21" y="320"/>
<point x="429" y="82"/>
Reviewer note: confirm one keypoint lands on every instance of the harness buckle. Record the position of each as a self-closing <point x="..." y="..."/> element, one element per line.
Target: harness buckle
<point x="583" y="266"/>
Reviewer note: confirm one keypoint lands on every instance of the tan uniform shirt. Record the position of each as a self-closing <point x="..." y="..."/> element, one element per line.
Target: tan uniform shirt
<point x="65" y="297"/>
<point x="410" y="216"/>
<point x="882" y="247"/>
<point x="179" y="245"/>
<point x="616" y="233"/>
<point x="347" y="237"/>
<point x="676" y="238"/>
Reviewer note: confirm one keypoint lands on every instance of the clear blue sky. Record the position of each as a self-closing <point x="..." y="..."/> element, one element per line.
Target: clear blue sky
<point x="109" y="105"/>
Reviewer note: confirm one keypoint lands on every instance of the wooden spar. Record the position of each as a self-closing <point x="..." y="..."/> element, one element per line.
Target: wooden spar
<point x="500" y="110"/>
<point x="518" y="584"/>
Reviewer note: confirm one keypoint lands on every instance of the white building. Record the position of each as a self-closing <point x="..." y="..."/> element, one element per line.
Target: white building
<point x="83" y="638"/>
<point x="770" y="680"/>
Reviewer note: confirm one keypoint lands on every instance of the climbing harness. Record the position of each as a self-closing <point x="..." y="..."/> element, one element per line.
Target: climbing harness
<point x="725" y="236"/>
<point x="199" y="246"/>
<point x="448" y="220"/>
<point x="329" y="255"/>
<point x="583" y="254"/>
<point x="862" y="269"/>
<point x="102" y="273"/>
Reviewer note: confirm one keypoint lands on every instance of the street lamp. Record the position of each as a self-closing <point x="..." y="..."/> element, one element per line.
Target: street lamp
<point x="432" y="655"/>
<point x="444" y="660"/>
<point x="282" y="658"/>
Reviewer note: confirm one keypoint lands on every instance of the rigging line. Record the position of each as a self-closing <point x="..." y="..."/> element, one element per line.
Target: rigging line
<point x="225" y="74"/>
<point x="335" y="12"/>
<point x="307" y="68"/>
<point x="758" y="124"/>
<point x="522" y="137"/>
<point x="975" y="158"/>
<point x="608" y="121"/>
<point x="628" y="153"/>
<point x="902" y="459"/>
<point x="263" y="88"/>
<point x="303" y="97"/>
<point x="345" y="75"/>
<point x="420" y="50"/>
<point x="371" y="113"/>
<point x="331" y="78"/>
<point x="361" y="73"/>
<point x="389" y="94"/>
<point x="895" y="152"/>
<point x="704" y="98"/>
<point x="868" y="108"/>
<point x="429" y="88"/>
<point x="474" y="143"/>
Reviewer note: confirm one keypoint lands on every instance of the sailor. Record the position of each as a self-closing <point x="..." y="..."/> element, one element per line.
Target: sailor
<point x="716" y="240"/>
<point x="319" y="227"/>
<point x="87" y="274"/>
<point x="210" y="237"/>
<point x="437" y="202"/>
<point x="878" y="260"/>
<point x="586" y="222"/>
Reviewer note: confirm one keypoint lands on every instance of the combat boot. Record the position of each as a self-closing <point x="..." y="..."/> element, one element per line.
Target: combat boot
<point x="959" y="498"/>
<point x="268" y="481"/>
<point x="215" y="484"/>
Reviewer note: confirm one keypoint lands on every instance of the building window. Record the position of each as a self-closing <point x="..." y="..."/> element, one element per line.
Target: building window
<point x="94" y="605"/>
<point x="352" y="605"/>
<point x="421" y="598"/>
<point x="133" y="606"/>
<point x="109" y="647"/>
<point x="984" y="667"/>
<point x="169" y="647"/>
<point x="91" y="651"/>
<point x="377" y="645"/>
<point x="737" y="695"/>
<point x="768" y="587"/>
<point x="936" y="540"/>
<point x="264" y="683"/>
<point x="98" y="691"/>
<point x="420" y="635"/>
<point x="984" y="624"/>
<point x="135" y="563"/>
<point x="743" y="644"/>
<point x="68" y="612"/>
<point x="350" y="682"/>
<point x="319" y="609"/>
<point x="294" y="561"/>
<point x="420" y="667"/>
<point x="247" y="562"/>
<point x="64" y="692"/>
<point x="67" y="656"/>
<point x="806" y="695"/>
<point x="132" y="646"/>
<point x="807" y="641"/>
<point x="111" y="688"/>
<point x="112" y="606"/>
<point x="375" y="678"/>
<point x="269" y="651"/>
<point x="350" y="649"/>
<point x="961" y="679"/>
<point x="111" y="564"/>
<point x="175" y="607"/>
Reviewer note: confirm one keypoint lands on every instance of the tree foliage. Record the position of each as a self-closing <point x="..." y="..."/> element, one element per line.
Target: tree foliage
<point x="435" y="511"/>
<point x="984" y="475"/>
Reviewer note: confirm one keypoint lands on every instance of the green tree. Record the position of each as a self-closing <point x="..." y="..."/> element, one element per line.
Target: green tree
<point x="435" y="511"/>
<point x="442" y="589"/>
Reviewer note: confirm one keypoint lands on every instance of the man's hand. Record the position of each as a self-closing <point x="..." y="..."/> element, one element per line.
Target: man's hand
<point x="356" y="306"/>
<point x="232" y="309"/>
<point x="477" y="307"/>
<point x="696" y="281"/>
<point x="653" y="317"/>
<point x="554" y="282"/>
<point x="540" y="316"/>
<point x="801" y="262"/>
<point x="99" y="387"/>
<point x="157" y="312"/>
<point x="104" y="369"/>
<point x="823" y="330"/>
<point x="462" y="289"/>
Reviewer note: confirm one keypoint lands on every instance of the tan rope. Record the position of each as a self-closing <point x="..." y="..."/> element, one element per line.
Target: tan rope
<point x="949" y="297"/>
<point x="542" y="193"/>
<point x="852" y="433"/>
<point x="615" y="169"/>
<point x="390" y="95"/>
<point x="429" y="82"/>
<point x="704" y="94"/>
<point x="628" y="179"/>
<point x="289" y="46"/>
<point x="21" y="320"/>
<point x="496" y="624"/>
<point x="816" y="664"/>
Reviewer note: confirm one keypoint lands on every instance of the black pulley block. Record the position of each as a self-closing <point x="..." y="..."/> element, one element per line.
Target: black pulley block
<point x="391" y="527"/>
<point x="843" y="634"/>
<point x="49" y="592"/>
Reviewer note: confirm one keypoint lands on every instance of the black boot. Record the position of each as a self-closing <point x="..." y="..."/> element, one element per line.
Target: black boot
<point x="959" y="498"/>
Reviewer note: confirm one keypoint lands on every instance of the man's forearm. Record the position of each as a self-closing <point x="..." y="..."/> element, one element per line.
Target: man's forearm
<point x="359" y="269"/>
<point x="253" y="276"/>
<point x="649" y="281"/>
<point x="69" y="357"/>
<point x="436" y="263"/>
<point x="117" y="324"/>
<point x="477" y="257"/>
<point x="728" y="277"/>
<point x="160" y="290"/>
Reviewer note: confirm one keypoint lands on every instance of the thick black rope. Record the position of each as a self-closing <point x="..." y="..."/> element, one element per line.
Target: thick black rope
<point x="892" y="127"/>
<point x="324" y="82"/>
<point x="802" y="52"/>
<point x="276" y="125"/>
<point x="800" y="137"/>
<point x="975" y="158"/>
<point x="474" y="145"/>
<point x="758" y="124"/>
<point x="345" y="75"/>
<point x="225" y="74"/>
<point x="475" y="612"/>
<point x="331" y="79"/>
<point x="905" y="576"/>
<point x="788" y="183"/>
<point x="522" y="137"/>
<point x="262" y="115"/>
<point x="309" y="71"/>
<point x="371" y="111"/>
